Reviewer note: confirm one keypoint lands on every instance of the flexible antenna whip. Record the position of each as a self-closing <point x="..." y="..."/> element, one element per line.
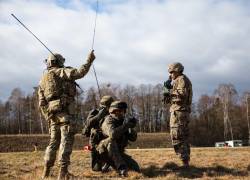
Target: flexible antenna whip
<point x="92" y="47"/>
<point x="32" y="34"/>
<point x="96" y="14"/>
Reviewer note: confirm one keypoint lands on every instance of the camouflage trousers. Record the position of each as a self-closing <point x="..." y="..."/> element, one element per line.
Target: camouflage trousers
<point x="94" y="139"/>
<point x="179" y="131"/>
<point x="110" y="153"/>
<point x="62" y="138"/>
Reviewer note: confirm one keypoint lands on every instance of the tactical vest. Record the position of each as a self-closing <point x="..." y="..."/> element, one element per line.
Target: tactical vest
<point x="181" y="103"/>
<point x="54" y="87"/>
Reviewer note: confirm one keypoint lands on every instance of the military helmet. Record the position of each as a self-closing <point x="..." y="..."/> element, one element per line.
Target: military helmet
<point x="176" y="67"/>
<point x="106" y="101"/>
<point x="117" y="105"/>
<point x="55" y="60"/>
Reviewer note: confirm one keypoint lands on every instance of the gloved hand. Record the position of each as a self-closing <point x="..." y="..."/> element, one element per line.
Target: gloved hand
<point x="167" y="84"/>
<point x="132" y="134"/>
<point x="131" y="122"/>
<point x="103" y="111"/>
<point x="166" y="93"/>
<point x="91" y="57"/>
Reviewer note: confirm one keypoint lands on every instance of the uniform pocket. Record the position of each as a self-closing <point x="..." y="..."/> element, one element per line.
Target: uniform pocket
<point x="54" y="106"/>
<point x="182" y="117"/>
<point x="173" y="119"/>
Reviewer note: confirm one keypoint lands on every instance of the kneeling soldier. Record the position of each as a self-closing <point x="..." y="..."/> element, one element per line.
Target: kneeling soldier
<point x="117" y="133"/>
<point x="92" y="129"/>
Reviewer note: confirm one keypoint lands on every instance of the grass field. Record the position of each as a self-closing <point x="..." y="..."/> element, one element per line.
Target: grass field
<point x="206" y="163"/>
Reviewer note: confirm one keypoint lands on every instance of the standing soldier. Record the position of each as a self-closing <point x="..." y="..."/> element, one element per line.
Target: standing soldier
<point x="117" y="133"/>
<point x="92" y="129"/>
<point x="179" y="95"/>
<point x="57" y="91"/>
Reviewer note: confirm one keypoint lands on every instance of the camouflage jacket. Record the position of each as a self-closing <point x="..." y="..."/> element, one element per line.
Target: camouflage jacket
<point x="181" y="94"/>
<point x="115" y="129"/>
<point x="65" y="93"/>
<point x="94" y="120"/>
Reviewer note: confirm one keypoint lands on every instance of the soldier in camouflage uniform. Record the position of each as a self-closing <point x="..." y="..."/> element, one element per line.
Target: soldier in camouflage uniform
<point x="57" y="91"/>
<point x="91" y="129"/>
<point x="117" y="133"/>
<point x="179" y="95"/>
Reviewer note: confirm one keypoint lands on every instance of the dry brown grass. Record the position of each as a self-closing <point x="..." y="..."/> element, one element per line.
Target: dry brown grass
<point x="206" y="163"/>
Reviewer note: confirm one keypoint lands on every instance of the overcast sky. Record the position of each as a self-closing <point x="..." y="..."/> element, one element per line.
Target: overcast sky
<point x="135" y="41"/>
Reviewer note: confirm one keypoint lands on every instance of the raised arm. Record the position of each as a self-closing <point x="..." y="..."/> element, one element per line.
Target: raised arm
<point x="74" y="73"/>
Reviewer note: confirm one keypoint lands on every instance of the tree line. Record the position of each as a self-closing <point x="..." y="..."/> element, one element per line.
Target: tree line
<point x="217" y="117"/>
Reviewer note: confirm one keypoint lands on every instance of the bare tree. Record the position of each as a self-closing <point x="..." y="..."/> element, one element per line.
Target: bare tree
<point x="246" y="103"/>
<point x="227" y="93"/>
<point x="214" y="118"/>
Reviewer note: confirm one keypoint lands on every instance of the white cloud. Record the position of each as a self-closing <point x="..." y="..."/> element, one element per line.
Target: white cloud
<point x="135" y="40"/>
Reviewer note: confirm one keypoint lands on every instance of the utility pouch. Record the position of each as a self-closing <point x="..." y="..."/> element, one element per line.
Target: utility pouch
<point x="55" y="106"/>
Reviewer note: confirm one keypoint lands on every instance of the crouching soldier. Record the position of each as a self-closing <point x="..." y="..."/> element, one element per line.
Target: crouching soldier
<point x="117" y="133"/>
<point x="91" y="129"/>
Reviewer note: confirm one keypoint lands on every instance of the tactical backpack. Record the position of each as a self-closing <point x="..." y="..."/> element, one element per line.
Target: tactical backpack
<point x="94" y="120"/>
<point x="87" y="125"/>
<point x="52" y="86"/>
<point x="57" y="91"/>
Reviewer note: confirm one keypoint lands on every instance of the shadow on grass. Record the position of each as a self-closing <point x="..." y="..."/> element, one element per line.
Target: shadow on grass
<point x="191" y="172"/>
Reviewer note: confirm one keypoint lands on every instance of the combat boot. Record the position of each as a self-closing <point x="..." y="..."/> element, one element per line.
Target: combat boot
<point x="63" y="173"/>
<point x="105" y="168"/>
<point x="123" y="171"/>
<point x="46" y="171"/>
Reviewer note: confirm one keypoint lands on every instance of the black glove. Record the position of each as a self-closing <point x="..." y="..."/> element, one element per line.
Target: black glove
<point x="131" y="122"/>
<point x="132" y="134"/>
<point x="167" y="84"/>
